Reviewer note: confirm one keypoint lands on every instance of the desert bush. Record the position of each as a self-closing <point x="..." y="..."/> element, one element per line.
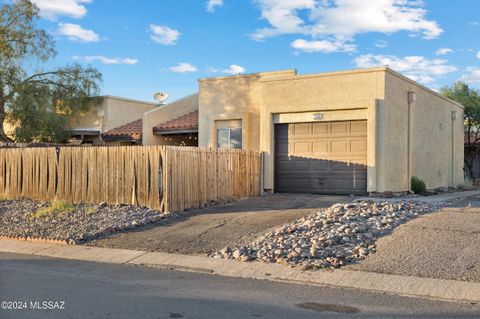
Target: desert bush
<point x="418" y="186"/>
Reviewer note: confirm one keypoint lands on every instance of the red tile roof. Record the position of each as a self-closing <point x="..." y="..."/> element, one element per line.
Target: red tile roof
<point x="132" y="129"/>
<point x="186" y="122"/>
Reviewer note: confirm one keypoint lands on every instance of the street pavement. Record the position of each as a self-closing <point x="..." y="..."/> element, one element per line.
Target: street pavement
<point x="97" y="290"/>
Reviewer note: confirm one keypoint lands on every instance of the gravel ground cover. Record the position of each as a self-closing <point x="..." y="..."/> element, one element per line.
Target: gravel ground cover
<point x="330" y="238"/>
<point x="75" y="224"/>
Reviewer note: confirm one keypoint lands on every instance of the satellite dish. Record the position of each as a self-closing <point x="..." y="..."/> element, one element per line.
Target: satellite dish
<point x="160" y="97"/>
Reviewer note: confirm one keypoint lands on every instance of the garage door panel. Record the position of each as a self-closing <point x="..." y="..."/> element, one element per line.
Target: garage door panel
<point x="339" y="146"/>
<point x="320" y="147"/>
<point x="340" y="127"/>
<point x="358" y="127"/>
<point x="301" y="129"/>
<point x="322" y="157"/>
<point x="321" y="186"/>
<point x="285" y="166"/>
<point x="302" y="165"/>
<point x="320" y="129"/>
<point x="359" y="146"/>
<point x="300" y="147"/>
<point x="320" y="166"/>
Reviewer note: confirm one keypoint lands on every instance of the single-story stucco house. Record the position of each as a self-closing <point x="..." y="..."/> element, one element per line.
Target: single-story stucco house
<point x="349" y="132"/>
<point x="108" y="113"/>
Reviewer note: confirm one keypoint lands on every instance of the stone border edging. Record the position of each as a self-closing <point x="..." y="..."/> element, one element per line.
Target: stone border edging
<point x="36" y="240"/>
<point x="450" y="290"/>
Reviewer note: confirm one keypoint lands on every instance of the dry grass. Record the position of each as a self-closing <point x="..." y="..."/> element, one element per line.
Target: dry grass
<point x="56" y="208"/>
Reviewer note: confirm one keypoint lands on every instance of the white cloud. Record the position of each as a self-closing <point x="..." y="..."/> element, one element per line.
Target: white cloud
<point x="344" y="19"/>
<point x="473" y="75"/>
<point x="381" y="44"/>
<point x="51" y="9"/>
<point x="75" y="32"/>
<point x="417" y="68"/>
<point x="183" y="67"/>
<point x="283" y="17"/>
<point x="105" y="60"/>
<point x="213" y="4"/>
<point x="478" y="55"/>
<point x="326" y="46"/>
<point x="443" y="51"/>
<point x="211" y="69"/>
<point x="164" y="35"/>
<point x="234" y="69"/>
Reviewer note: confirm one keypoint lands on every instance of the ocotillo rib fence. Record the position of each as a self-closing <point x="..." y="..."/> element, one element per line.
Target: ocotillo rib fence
<point x="166" y="178"/>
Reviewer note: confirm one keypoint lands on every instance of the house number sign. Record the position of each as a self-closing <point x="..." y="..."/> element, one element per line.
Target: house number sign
<point x="318" y="116"/>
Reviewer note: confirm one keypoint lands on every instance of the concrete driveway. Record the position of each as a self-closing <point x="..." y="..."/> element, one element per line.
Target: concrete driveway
<point x="212" y="228"/>
<point x="441" y="245"/>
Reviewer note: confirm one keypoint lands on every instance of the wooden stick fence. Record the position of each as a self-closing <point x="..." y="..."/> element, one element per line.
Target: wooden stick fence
<point x="195" y="177"/>
<point x="166" y="178"/>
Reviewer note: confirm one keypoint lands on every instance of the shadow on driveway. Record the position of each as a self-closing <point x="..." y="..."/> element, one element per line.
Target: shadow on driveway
<point x="205" y="230"/>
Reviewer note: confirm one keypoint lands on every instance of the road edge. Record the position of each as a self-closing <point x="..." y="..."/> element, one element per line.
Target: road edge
<point x="451" y="290"/>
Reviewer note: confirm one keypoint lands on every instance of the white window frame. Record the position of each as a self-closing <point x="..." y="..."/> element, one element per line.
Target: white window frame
<point x="229" y="129"/>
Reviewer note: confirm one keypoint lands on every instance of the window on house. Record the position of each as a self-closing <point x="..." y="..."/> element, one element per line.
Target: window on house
<point x="229" y="137"/>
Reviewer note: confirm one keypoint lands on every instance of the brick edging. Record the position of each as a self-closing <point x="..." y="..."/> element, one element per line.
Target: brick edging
<point x="36" y="240"/>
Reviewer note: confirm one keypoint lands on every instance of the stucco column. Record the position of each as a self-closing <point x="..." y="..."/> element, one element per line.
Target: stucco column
<point x="267" y="147"/>
<point x="372" y="145"/>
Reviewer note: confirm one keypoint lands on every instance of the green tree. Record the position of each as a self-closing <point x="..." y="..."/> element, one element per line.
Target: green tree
<point x="470" y="99"/>
<point x="38" y="102"/>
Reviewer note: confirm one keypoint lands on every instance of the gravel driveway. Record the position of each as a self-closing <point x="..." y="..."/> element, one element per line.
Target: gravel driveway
<point x="445" y="245"/>
<point x="212" y="228"/>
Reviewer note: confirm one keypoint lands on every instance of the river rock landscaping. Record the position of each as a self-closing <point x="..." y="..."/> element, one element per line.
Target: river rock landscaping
<point x="330" y="238"/>
<point x="71" y="223"/>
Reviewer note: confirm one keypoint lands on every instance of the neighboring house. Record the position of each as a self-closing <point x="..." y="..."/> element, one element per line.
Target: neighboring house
<point x="348" y="132"/>
<point x="110" y="113"/>
<point x="175" y="123"/>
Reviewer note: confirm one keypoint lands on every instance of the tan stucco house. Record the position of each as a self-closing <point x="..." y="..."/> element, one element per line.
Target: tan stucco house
<point x="349" y="132"/>
<point x="110" y="114"/>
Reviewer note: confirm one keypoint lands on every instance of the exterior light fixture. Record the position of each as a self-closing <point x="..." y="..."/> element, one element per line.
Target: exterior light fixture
<point x="412" y="97"/>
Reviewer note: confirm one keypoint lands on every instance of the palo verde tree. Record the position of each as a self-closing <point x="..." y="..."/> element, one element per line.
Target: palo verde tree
<point x="470" y="99"/>
<point x="38" y="102"/>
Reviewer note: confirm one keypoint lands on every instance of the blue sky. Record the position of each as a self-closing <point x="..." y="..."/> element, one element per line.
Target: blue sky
<point x="146" y="46"/>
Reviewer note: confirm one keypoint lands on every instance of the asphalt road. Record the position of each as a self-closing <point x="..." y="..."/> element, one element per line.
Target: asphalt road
<point x="94" y="290"/>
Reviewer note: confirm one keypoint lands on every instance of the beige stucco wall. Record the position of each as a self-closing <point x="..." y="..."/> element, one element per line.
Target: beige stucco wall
<point x="116" y="112"/>
<point x="232" y="98"/>
<point x="378" y="95"/>
<point x="121" y="111"/>
<point x="437" y="140"/>
<point x="163" y="114"/>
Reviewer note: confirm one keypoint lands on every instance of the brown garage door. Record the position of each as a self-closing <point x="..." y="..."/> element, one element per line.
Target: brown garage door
<point x="321" y="157"/>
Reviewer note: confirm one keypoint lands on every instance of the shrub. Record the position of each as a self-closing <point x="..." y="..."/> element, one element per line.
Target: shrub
<point x="56" y="208"/>
<point x="418" y="186"/>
